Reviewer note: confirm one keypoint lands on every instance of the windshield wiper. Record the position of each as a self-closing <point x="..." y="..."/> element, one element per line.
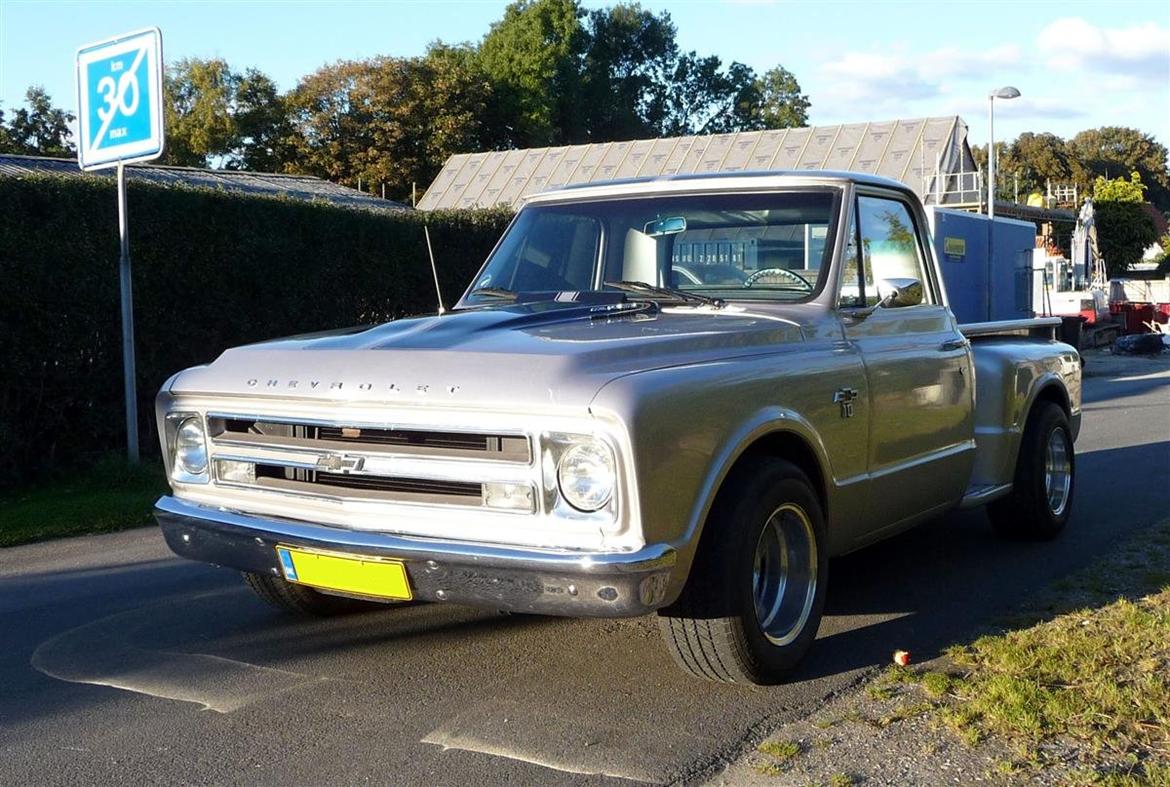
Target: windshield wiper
<point x="642" y="288"/>
<point x="495" y="292"/>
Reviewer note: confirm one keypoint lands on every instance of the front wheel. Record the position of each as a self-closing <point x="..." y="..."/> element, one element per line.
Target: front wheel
<point x="1042" y="491"/>
<point x="752" y="604"/>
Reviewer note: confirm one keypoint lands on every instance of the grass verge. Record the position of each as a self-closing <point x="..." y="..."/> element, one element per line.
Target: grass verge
<point x="1085" y="692"/>
<point x="109" y="496"/>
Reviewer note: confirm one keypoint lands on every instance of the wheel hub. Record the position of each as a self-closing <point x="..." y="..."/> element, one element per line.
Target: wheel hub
<point x="784" y="575"/>
<point x="1057" y="471"/>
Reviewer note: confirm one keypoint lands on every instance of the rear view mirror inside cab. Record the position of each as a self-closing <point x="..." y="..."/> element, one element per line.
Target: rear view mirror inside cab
<point x="671" y="225"/>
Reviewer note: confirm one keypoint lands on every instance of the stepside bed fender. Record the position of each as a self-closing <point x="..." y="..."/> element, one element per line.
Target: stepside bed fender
<point x="1011" y="374"/>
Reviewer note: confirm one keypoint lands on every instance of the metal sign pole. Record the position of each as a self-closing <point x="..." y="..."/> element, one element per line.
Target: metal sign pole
<point x="120" y="120"/>
<point x="131" y="389"/>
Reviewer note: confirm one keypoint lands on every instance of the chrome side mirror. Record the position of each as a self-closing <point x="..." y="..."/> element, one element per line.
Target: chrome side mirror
<point x="902" y="292"/>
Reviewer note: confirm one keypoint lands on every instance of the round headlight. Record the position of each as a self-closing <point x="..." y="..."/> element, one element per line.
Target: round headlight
<point x="190" y="447"/>
<point x="585" y="475"/>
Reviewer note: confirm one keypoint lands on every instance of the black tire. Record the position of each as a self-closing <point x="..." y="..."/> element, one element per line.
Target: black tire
<point x="302" y="600"/>
<point x="1039" y="505"/>
<point x="713" y="630"/>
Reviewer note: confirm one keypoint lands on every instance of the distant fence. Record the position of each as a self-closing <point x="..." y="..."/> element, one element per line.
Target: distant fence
<point x="211" y="270"/>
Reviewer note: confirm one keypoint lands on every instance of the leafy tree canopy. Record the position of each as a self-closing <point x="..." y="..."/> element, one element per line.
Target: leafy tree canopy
<point x="38" y="128"/>
<point x="1112" y="151"/>
<point x="1119" y="189"/>
<point x="390" y="121"/>
<point x="1124" y="227"/>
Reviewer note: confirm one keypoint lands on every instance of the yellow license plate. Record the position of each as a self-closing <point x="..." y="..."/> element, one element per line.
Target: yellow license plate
<point x="366" y="576"/>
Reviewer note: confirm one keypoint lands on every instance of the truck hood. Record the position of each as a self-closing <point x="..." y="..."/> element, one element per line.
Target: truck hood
<point x="538" y="354"/>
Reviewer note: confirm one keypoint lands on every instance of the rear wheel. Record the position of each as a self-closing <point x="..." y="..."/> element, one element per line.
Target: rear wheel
<point x="302" y="600"/>
<point x="753" y="601"/>
<point x="1041" y="499"/>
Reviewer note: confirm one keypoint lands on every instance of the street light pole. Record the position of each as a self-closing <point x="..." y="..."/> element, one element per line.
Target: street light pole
<point x="1004" y="93"/>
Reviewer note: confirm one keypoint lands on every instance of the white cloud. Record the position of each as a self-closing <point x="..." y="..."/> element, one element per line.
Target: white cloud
<point x="875" y="78"/>
<point x="1139" y="53"/>
<point x="895" y="76"/>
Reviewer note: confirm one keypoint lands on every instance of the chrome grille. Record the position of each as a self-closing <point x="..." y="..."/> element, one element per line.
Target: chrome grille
<point x="363" y="462"/>
<point x="397" y="440"/>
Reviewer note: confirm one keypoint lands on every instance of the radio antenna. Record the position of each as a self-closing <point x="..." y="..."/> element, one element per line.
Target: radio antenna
<point x="430" y="251"/>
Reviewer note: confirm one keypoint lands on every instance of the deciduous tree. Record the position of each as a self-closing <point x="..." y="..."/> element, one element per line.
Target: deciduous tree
<point x="532" y="57"/>
<point x="1124" y="228"/>
<point x="264" y="136"/>
<point x="1114" y="151"/>
<point x="1037" y="159"/>
<point x="39" y="128"/>
<point x="782" y="103"/>
<point x="391" y="121"/>
<point x="199" y="111"/>
<point x="627" y="66"/>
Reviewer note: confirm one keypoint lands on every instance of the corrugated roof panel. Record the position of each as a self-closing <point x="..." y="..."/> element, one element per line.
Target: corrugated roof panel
<point x="566" y="166"/>
<point x="659" y="157"/>
<point x="615" y="154"/>
<point x="498" y="170"/>
<point x="899" y="155"/>
<point x="766" y="149"/>
<point x="788" y="155"/>
<point x="482" y="171"/>
<point x="906" y="150"/>
<point x="589" y="163"/>
<point x="443" y="182"/>
<point x="678" y="155"/>
<point x="694" y="155"/>
<point x="873" y="146"/>
<point x="631" y="167"/>
<point x="517" y="185"/>
<point x="303" y="187"/>
<point x="544" y="169"/>
<point x="846" y="142"/>
<point x="739" y="156"/>
<point x="718" y="146"/>
<point x="467" y="169"/>
<point x="818" y="147"/>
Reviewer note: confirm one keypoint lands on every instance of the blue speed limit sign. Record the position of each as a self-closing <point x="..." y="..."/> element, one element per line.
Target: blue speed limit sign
<point x="120" y="100"/>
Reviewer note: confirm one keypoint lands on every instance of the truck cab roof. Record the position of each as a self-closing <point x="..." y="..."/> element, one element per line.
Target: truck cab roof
<point x="716" y="180"/>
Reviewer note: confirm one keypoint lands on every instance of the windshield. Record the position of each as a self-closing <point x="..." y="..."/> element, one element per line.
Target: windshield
<point x="736" y="246"/>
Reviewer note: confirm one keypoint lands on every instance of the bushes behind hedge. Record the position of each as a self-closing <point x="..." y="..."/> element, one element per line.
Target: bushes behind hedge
<point x="212" y="270"/>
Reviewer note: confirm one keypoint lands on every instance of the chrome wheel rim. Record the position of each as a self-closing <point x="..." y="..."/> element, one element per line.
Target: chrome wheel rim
<point x="1057" y="471"/>
<point x="784" y="574"/>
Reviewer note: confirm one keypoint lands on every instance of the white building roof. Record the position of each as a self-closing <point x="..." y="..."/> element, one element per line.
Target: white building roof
<point x="931" y="155"/>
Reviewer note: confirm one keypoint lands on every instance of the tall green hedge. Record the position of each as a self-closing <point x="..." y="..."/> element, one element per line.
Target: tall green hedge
<point x="212" y="270"/>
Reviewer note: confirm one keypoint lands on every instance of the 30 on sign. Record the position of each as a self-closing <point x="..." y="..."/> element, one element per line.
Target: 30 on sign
<point x="119" y="87"/>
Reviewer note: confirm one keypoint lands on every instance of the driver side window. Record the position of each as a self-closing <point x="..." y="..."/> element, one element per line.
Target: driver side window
<point x="889" y="246"/>
<point x="857" y="291"/>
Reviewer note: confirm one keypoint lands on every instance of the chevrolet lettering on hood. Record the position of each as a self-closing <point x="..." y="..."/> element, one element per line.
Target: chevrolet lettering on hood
<point x="674" y="396"/>
<point x="339" y="385"/>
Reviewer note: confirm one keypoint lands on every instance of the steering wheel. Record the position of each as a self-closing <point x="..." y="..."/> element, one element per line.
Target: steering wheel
<point x="750" y="280"/>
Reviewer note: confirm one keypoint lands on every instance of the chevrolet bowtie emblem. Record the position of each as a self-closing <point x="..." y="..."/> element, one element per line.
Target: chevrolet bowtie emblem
<point x="845" y="397"/>
<point x="340" y="463"/>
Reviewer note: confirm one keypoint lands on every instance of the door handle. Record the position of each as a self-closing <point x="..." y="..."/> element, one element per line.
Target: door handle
<point x="951" y="345"/>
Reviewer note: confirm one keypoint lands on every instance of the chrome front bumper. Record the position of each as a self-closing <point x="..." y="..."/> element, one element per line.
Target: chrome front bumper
<point x="540" y="581"/>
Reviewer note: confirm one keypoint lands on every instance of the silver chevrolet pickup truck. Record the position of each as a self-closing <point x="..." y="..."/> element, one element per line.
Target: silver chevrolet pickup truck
<point x="678" y="396"/>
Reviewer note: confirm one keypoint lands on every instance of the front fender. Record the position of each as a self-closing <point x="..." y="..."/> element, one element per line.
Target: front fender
<point x="687" y="427"/>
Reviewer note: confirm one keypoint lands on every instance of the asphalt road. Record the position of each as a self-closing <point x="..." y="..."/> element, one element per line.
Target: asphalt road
<point x="120" y="664"/>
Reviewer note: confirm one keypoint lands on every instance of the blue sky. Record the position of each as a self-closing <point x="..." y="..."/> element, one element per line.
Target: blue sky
<point x="1078" y="64"/>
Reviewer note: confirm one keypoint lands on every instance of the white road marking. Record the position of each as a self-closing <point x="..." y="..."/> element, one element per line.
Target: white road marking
<point x="101" y="653"/>
<point x="471" y="743"/>
<point x="1135" y="378"/>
